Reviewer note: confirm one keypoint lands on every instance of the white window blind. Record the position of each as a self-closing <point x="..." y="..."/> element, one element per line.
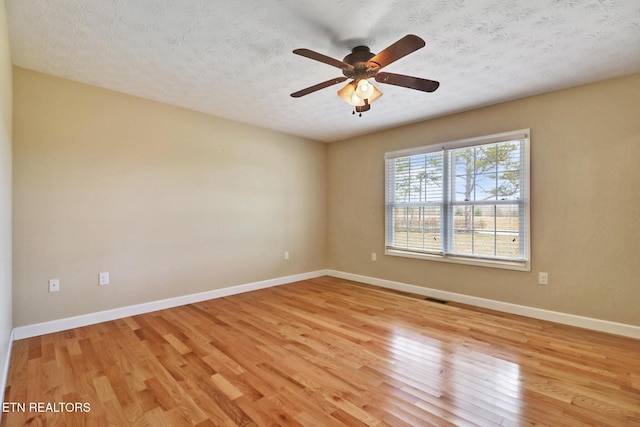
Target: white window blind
<point x="462" y="201"/>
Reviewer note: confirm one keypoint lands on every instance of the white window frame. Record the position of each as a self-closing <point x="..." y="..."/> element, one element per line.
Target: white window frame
<point x="522" y="265"/>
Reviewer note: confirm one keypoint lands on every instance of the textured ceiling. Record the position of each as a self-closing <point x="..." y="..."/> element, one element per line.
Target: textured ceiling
<point x="233" y="58"/>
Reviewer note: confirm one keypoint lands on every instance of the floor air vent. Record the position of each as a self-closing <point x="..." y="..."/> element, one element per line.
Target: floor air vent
<point x="436" y="300"/>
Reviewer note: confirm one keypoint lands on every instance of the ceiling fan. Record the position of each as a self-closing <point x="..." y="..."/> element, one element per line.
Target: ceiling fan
<point x="360" y="65"/>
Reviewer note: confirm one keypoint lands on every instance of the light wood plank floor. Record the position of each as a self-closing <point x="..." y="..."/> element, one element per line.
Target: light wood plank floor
<point x="327" y="352"/>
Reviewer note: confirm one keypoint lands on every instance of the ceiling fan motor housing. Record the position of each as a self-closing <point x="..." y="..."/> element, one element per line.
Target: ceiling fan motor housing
<point x="362" y="68"/>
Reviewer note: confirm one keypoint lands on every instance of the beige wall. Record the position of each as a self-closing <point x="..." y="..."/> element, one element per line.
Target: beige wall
<point x="5" y="193"/>
<point x="585" y="213"/>
<point x="169" y="201"/>
<point x="173" y="202"/>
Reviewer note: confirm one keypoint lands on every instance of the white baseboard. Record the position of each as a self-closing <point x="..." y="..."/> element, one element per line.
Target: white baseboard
<point x="118" y="313"/>
<point x="536" y="313"/>
<point x="5" y="370"/>
<point x="132" y="310"/>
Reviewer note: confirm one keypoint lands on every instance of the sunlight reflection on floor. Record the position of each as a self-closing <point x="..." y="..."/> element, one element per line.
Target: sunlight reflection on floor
<point x="473" y="383"/>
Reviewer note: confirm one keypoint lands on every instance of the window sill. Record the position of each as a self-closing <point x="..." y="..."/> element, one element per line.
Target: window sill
<point x="506" y="265"/>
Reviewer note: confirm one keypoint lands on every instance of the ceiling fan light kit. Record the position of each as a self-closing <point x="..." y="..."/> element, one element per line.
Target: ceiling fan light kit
<point x="361" y="65"/>
<point x="356" y="93"/>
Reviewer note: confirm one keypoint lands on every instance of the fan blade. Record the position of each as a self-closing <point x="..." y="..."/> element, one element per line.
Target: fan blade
<point x="323" y="58"/>
<point x="399" y="49"/>
<point x="319" y="86"/>
<point x="407" y="81"/>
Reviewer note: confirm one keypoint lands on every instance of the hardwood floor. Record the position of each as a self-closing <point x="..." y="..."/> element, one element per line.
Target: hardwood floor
<point x="325" y="352"/>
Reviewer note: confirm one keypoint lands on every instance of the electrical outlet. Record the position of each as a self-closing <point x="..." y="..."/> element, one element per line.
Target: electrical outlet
<point x="54" y="285"/>
<point x="103" y="279"/>
<point x="543" y="278"/>
<point x="374" y="257"/>
<point x="286" y="254"/>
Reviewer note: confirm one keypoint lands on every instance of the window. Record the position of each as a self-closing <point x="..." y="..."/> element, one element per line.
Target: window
<point x="462" y="201"/>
